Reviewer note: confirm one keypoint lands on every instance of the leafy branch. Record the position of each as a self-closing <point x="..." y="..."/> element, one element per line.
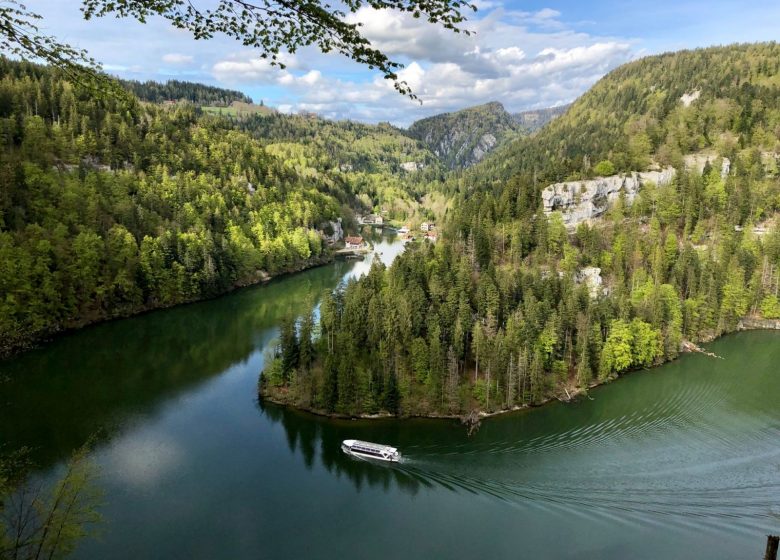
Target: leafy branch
<point x="273" y="26"/>
<point x="21" y="36"/>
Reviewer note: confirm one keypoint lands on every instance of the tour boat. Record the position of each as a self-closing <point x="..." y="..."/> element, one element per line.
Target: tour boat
<point x="367" y="450"/>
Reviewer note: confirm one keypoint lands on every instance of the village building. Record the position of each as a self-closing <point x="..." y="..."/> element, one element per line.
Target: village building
<point x="353" y="242"/>
<point x="371" y="220"/>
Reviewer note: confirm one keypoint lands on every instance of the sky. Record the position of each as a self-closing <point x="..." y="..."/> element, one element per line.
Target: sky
<point x="525" y="54"/>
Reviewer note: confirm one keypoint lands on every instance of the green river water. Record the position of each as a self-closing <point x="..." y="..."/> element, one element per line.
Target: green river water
<point x="682" y="461"/>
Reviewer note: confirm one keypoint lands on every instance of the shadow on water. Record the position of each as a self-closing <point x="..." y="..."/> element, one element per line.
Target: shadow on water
<point x="97" y="379"/>
<point x="319" y="439"/>
<point x="678" y="458"/>
<point x="692" y="444"/>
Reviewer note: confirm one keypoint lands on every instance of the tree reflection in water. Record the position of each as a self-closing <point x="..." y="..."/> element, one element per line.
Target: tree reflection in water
<point x="306" y="433"/>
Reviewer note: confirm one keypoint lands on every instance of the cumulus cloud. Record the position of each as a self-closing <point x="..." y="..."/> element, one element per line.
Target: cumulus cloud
<point x="248" y="68"/>
<point x="177" y="58"/>
<point x="523" y="59"/>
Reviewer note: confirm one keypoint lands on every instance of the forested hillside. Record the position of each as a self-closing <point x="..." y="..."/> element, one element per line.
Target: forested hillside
<point x="389" y="170"/>
<point x="638" y="113"/>
<point x="510" y="308"/>
<point x="107" y="209"/>
<point x="465" y="137"/>
<point x="175" y="90"/>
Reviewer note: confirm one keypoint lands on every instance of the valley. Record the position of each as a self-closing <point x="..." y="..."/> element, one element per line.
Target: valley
<point x="202" y="294"/>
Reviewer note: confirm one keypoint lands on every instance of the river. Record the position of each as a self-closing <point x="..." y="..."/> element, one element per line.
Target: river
<point x="681" y="461"/>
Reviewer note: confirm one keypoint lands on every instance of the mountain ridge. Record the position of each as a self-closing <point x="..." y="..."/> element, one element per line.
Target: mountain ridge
<point x="463" y="138"/>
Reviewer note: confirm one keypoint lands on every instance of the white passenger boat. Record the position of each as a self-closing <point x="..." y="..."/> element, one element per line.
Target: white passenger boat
<point x="368" y="450"/>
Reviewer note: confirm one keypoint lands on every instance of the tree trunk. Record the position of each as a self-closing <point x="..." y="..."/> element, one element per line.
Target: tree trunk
<point x="772" y="542"/>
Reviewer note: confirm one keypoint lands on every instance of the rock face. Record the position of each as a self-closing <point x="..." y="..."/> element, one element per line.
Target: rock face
<point x="531" y="121"/>
<point x="411" y="166"/>
<point x="749" y="323"/>
<point x="698" y="161"/>
<point x="591" y="277"/>
<point x="465" y="137"/>
<point x="332" y="232"/>
<point x="688" y="98"/>
<point x="578" y="201"/>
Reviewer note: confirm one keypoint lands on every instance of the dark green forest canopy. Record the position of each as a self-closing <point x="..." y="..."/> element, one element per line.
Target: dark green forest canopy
<point x="108" y="208"/>
<point x="499" y="313"/>
<point x="176" y="90"/>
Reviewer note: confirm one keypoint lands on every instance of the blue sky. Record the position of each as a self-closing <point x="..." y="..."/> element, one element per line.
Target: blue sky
<point x="526" y="54"/>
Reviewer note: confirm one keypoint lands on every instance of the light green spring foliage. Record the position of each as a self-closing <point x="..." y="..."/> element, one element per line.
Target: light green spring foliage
<point x="499" y="296"/>
<point x="634" y="115"/>
<point x="770" y="307"/>
<point x="108" y="209"/>
<point x="47" y="522"/>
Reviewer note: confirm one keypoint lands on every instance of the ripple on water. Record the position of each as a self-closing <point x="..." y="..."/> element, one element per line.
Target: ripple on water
<point x="691" y="458"/>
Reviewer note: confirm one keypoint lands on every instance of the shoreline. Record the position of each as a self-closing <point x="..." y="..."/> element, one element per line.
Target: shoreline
<point x="16" y="350"/>
<point x="384" y="415"/>
<point x="749" y="323"/>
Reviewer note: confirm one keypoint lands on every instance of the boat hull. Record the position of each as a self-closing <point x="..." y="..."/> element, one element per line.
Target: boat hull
<point x="385" y="458"/>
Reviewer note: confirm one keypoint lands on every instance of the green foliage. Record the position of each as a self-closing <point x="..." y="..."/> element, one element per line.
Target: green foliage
<point x="176" y="90"/>
<point x="604" y="168"/>
<point x="501" y="290"/>
<point x="38" y="522"/>
<point x="636" y="112"/>
<point x="107" y="211"/>
<point x="629" y="345"/>
<point x="770" y="307"/>
<point x="21" y="37"/>
<point x="459" y="138"/>
<point x="367" y="159"/>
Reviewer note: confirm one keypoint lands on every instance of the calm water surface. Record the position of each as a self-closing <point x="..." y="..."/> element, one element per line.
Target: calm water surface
<point x="679" y="462"/>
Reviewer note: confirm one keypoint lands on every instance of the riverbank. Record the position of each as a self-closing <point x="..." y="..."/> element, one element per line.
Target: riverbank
<point x="171" y="391"/>
<point x="24" y="343"/>
<point x="281" y="395"/>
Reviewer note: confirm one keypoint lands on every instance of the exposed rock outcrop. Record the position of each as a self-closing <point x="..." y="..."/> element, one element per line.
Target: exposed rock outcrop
<point x="465" y="137"/>
<point x="411" y="166"/>
<point x="688" y="98"/>
<point x="697" y="162"/>
<point x="533" y="120"/>
<point x="750" y="323"/>
<point x="578" y="201"/>
<point x="591" y="277"/>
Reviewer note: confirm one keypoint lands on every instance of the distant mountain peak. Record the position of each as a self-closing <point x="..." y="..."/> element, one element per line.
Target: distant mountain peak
<point x="464" y="137"/>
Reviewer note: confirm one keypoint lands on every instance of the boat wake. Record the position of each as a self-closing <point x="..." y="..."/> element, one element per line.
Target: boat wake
<point x="671" y="463"/>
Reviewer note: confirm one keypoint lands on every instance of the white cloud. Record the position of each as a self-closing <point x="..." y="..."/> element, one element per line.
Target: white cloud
<point x="523" y="59"/>
<point x="177" y="58"/>
<point x="248" y="68"/>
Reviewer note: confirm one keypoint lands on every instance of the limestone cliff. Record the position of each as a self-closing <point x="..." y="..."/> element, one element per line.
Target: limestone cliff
<point x="533" y="120"/>
<point x="578" y="201"/>
<point x="697" y="162"/>
<point x="463" y="138"/>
